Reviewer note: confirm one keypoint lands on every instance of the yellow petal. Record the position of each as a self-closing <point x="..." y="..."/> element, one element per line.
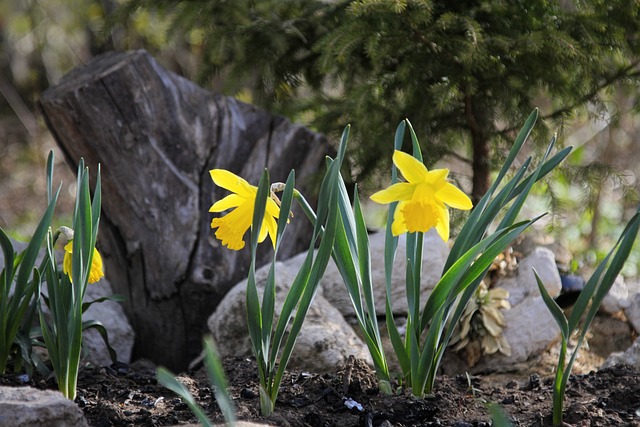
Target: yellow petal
<point x="272" y="208"/>
<point x="437" y="177"/>
<point x="232" y="182"/>
<point x="66" y="261"/>
<point x="454" y="197"/>
<point x="271" y="227"/>
<point x="442" y="227"/>
<point x="424" y="193"/>
<point x="394" y="193"/>
<point x="264" y="230"/>
<point x="269" y="224"/>
<point x="411" y="168"/>
<point x="398" y="226"/>
<point x="231" y="201"/>
<point x="96" y="273"/>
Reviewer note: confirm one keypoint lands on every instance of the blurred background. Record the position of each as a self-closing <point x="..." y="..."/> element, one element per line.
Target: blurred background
<point x="465" y="73"/>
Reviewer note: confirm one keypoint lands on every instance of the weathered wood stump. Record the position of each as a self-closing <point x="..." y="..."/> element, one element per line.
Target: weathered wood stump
<point x="156" y="136"/>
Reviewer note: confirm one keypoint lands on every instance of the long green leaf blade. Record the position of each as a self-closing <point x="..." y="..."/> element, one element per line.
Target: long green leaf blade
<point x="167" y="379"/>
<point x="553" y="307"/>
<point x="219" y="381"/>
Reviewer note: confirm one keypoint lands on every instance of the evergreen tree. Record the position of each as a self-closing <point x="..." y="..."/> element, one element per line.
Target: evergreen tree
<point x="466" y="73"/>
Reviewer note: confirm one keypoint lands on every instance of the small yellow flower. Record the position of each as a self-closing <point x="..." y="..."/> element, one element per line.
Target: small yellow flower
<point x="233" y="226"/>
<point x="96" y="272"/>
<point x="423" y="199"/>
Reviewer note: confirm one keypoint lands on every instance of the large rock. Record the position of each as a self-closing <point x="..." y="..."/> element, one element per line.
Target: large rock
<point x="156" y="135"/>
<point x="435" y="255"/>
<point x="325" y="339"/>
<point x="30" y="407"/>
<point x="617" y="299"/>
<point x="529" y="327"/>
<point x="113" y="318"/>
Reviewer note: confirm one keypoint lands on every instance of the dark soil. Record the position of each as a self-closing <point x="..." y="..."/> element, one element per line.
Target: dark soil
<point x="131" y="396"/>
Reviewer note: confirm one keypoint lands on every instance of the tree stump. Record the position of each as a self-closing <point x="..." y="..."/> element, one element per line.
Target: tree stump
<point x="156" y="136"/>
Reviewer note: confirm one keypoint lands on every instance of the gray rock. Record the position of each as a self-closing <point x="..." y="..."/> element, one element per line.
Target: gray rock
<point x="113" y="318"/>
<point x="30" y="407"/>
<point x="633" y="311"/>
<point x="325" y="339"/>
<point x="525" y="286"/>
<point x="529" y="327"/>
<point x="618" y="297"/>
<point x="629" y="357"/>
<point x="435" y="255"/>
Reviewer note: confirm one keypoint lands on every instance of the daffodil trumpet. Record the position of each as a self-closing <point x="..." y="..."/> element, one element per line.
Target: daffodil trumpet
<point x="96" y="272"/>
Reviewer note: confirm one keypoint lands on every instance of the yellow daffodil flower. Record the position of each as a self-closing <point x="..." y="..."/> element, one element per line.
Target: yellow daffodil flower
<point x="233" y="226"/>
<point x="96" y="272"/>
<point x="423" y="199"/>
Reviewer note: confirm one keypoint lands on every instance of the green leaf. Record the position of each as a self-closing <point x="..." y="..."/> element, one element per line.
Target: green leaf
<point x="498" y="416"/>
<point x="554" y="309"/>
<point x="390" y="248"/>
<point x="461" y="278"/>
<point x="167" y="379"/>
<point x="590" y="298"/>
<point x="49" y="175"/>
<point x="99" y="327"/>
<point x="451" y="278"/>
<point x="327" y="220"/>
<point x="219" y="381"/>
<point x="33" y="248"/>
<point x="414" y="143"/>
<point x="7" y="272"/>
<point x="364" y="257"/>
<point x="254" y="311"/>
<point x="114" y="297"/>
<point x="470" y="228"/>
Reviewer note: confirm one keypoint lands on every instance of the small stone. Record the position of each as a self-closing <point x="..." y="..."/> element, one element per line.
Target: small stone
<point x="26" y="406"/>
<point x="534" y="381"/>
<point x="629" y="357"/>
